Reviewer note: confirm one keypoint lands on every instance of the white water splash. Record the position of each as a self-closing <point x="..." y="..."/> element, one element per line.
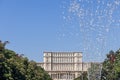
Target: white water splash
<point x="95" y="19"/>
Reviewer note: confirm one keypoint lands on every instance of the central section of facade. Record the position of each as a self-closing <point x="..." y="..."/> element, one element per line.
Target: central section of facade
<point x="63" y="65"/>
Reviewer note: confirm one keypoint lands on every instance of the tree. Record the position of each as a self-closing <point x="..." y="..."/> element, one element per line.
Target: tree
<point x="2" y="45"/>
<point x="111" y="66"/>
<point x="117" y="64"/>
<point x="17" y="67"/>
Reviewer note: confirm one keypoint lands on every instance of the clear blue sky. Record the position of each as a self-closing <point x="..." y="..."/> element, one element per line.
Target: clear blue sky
<point x="35" y="26"/>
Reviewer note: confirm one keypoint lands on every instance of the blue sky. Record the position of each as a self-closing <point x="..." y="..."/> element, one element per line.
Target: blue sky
<point x="33" y="27"/>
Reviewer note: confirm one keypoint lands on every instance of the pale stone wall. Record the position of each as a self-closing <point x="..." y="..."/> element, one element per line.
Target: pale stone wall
<point x="64" y="65"/>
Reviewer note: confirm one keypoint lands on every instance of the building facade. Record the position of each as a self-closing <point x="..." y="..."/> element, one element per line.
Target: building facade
<point x="64" y="65"/>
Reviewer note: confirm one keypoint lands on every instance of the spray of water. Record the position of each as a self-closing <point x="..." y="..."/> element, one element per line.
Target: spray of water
<point x="91" y="21"/>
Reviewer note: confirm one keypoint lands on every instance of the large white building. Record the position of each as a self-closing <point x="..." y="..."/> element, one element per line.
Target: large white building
<point x="64" y="65"/>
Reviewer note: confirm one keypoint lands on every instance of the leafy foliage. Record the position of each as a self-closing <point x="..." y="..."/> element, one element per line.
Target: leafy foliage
<point x="17" y="67"/>
<point x="111" y="66"/>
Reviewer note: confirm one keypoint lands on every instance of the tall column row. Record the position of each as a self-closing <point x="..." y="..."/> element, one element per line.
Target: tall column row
<point x="64" y="76"/>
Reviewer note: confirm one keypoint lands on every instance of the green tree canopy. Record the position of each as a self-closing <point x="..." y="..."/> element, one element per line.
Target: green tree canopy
<point x="111" y="66"/>
<point x="16" y="67"/>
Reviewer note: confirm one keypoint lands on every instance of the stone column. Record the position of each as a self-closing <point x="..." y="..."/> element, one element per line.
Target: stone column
<point x="68" y="76"/>
<point x="76" y="75"/>
<point x="58" y="76"/>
